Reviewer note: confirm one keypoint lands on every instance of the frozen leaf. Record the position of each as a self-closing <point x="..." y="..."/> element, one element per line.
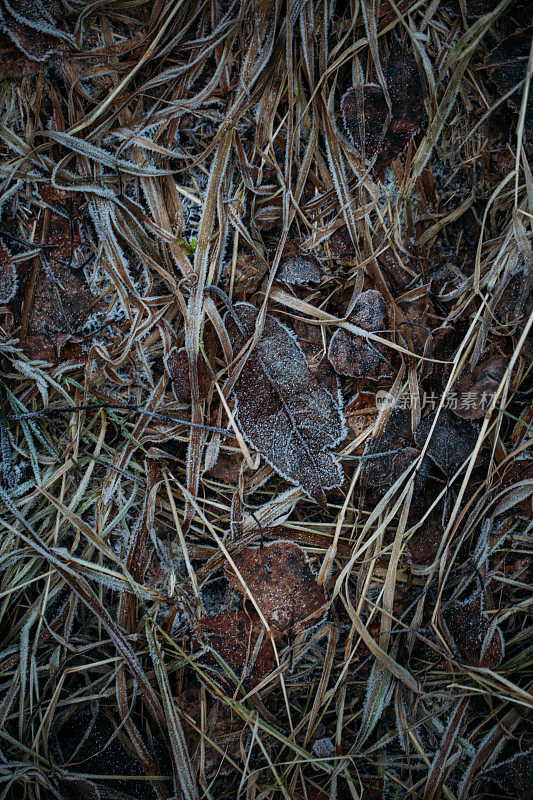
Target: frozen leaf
<point x="452" y="441"/>
<point x="282" y="410"/>
<point x="8" y="276"/>
<point x="424" y="544"/>
<point x="366" y="115"/>
<point x="476" y="638"/>
<point x="234" y="636"/>
<point x="281" y="582"/>
<point x="324" y="748"/>
<point x="63" y="301"/>
<point x="341" y="245"/>
<point x="177" y="364"/>
<point x="507" y="69"/>
<point x="476" y="389"/>
<point x="353" y="355"/>
<point x="388" y="455"/>
<point x="299" y="266"/>
<point x="515" y="775"/>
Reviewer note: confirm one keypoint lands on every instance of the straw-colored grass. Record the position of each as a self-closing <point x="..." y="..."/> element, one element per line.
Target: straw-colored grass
<point x="157" y="157"/>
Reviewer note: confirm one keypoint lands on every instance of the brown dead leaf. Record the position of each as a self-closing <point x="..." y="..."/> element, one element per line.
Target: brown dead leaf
<point x="299" y="266"/>
<point x="388" y="455"/>
<point x="476" y="638"/>
<point x="452" y="441"/>
<point x="507" y="69"/>
<point x="515" y="775"/>
<point x="177" y="365"/>
<point x="476" y="389"/>
<point x="282" y="583"/>
<point x="353" y="355"/>
<point x="234" y="636"/>
<point x="282" y="410"/>
<point x="366" y="116"/>
<point x="424" y="544"/>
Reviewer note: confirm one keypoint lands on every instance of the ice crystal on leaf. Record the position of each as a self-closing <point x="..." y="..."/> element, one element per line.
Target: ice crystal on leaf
<point x="381" y="135"/>
<point x="475" y="636"/>
<point x="282" y="410"/>
<point x="282" y="583"/>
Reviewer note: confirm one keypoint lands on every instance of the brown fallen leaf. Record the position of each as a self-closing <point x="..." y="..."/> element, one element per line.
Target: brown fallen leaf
<point x="476" y="389"/>
<point x="515" y="775"/>
<point x="8" y="276"/>
<point x="474" y="635"/>
<point x="354" y="356"/>
<point x="423" y="545"/>
<point x="388" y="455"/>
<point x="281" y="582"/>
<point x="299" y="266"/>
<point x="507" y="69"/>
<point x="177" y="366"/>
<point x="234" y="635"/>
<point x="282" y="410"/>
<point x="366" y="117"/>
<point x="452" y="441"/>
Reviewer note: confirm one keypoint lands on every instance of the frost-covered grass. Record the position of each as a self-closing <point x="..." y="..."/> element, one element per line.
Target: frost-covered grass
<point x="156" y="160"/>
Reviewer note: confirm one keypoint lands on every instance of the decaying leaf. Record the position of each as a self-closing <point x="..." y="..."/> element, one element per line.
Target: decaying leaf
<point x="388" y="455"/>
<point x="8" y="276"/>
<point x="282" y="410"/>
<point x="378" y="134"/>
<point x="475" y="636"/>
<point x="354" y="356"/>
<point x="452" y="441"/>
<point x="424" y="543"/>
<point x="281" y="582"/>
<point x="515" y="775"/>
<point x="62" y="304"/>
<point x="299" y="266"/>
<point x="177" y="365"/>
<point x="476" y="389"/>
<point x="241" y="641"/>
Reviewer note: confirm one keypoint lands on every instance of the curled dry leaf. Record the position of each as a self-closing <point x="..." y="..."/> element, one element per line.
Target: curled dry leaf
<point x="177" y="365"/>
<point x="515" y="775"/>
<point x="241" y="641"/>
<point x="476" y="638"/>
<point x="476" y="389"/>
<point x="381" y="135"/>
<point x="8" y="276"/>
<point x="282" y="583"/>
<point x="354" y="356"/>
<point x="299" y="266"/>
<point x="452" y="441"/>
<point x="282" y="410"/>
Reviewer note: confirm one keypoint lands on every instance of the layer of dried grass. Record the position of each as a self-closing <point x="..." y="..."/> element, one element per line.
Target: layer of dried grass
<point x="153" y="155"/>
